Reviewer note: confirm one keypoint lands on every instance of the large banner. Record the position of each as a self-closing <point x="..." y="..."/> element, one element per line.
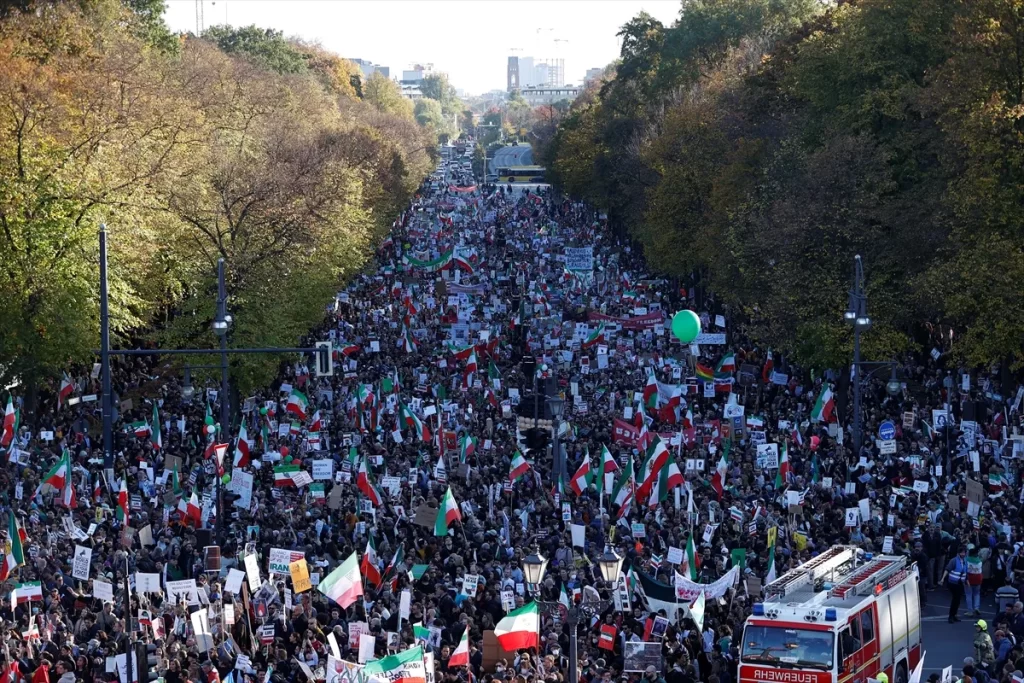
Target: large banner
<point x="637" y="322"/>
<point x="688" y="590"/>
<point x="579" y="258"/>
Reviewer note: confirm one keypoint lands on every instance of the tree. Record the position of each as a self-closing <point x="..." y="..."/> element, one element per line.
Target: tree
<point x="466" y="121"/>
<point x="265" y="46"/>
<point x="428" y="114"/>
<point x="188" y="156"/>
<point x="386" y="96"/>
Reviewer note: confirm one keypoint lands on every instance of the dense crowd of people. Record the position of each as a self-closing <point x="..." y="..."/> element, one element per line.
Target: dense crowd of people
<point x="480" y="307"/>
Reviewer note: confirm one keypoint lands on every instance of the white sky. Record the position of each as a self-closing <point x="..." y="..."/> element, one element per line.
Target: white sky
<point x="468" y="39"/>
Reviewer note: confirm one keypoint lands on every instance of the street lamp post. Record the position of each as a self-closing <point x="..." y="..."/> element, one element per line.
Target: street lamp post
<point x="856" y="315"/>
<point x="106" y="407"/>
<point x="557" y="407"/>
<point x="221" y="323"/>
<point x="534" y="568"/>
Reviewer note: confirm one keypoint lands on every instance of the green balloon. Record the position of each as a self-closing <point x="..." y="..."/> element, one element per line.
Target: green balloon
<point x="263" y="410"/>
<point x="685" y="326"/>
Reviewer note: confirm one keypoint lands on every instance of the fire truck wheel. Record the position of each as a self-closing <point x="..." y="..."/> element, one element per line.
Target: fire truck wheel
<point x="901" y="672"/>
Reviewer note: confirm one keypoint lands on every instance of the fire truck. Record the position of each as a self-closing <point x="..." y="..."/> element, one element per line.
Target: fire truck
<point x="841" y="617"/>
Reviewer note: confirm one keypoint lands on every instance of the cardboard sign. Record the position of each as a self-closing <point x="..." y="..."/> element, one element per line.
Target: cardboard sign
<point x="300" y="576"/>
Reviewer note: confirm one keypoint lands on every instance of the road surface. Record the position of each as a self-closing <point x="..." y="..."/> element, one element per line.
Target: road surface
<point x="520" y="155"/>
<point x="947" y="644"/>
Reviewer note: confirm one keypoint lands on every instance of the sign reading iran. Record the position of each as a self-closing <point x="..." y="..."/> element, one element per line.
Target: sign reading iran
<point x="280" y="560"/>
<point x="579" y="258"/>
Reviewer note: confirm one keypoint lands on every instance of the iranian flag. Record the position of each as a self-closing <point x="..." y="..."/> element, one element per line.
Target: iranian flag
<point x="15" y="557"/>
<point x="727" y="364"/>
<point x="9" y="427"/>
<point x="27" y="592"/>
<point x="193" y="511"/>
<point x="581" y="480"/>
<point x="368" y="566"/>
<point x="346" y="349"/>
<point x="404" y="667"/>
<point x="651" y="393"/>
<point x="297" y="404"/>
<point x="242" y="448"/>
<point x="721" y="472"/>
<point x="67" y="387"/>
<point x="622" y="494"/>
<point x="155" y="437"/>
<point x="344" y="584"/>
<point x="518" y="468"/>
<point x="122" y="503"/>
<point x="471" y="368"/>
<point x="141" y="429"/>
<point x="461" y="655"/>
<point x="415" y="423"/>
<point x="448" y="513"/>
<point x="824" y="406"/>
<point x="669" y="478"/>
<point x="519" y="629"/>
<point x="608" y="466"/>
<point x="61" y="472"/>
<point x="460" y="353"/>
<point x="364" y="481"/>
<point x="595" y="337"/>
<point x="691" y="558"/>
<point x="463" y="263"/>
<point x="440" y="263"/>
<point x="283" y="474"/>
<point x="467" y="446"/>
<point x="657" y="458"/>
<point x="783" y="474"/>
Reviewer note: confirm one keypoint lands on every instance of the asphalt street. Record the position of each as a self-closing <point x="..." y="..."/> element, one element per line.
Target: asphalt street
<point x="519" y="155"/>
<point x="947" y="644"/>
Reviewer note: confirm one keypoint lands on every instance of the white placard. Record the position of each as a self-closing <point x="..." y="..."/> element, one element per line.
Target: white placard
<point x="82" y="561"/>
<point x="323" y="470"/>
<point x="101" y="590"/>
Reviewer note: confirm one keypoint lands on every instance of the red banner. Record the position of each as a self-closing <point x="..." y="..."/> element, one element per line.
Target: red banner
<point x="624" y="432"/>
<point x="638" y="322"/>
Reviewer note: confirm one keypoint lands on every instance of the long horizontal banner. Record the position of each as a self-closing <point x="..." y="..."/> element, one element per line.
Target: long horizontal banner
<point x="637" y="322"/>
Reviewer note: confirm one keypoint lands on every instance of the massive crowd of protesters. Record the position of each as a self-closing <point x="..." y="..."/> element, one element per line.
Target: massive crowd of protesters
<point x="401" y="334"/>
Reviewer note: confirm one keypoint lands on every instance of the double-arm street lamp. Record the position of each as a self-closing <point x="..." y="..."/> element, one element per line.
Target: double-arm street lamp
<point x="856" y="314"/>
<point x="324" y="364"/>
<point x="534" y="567"/>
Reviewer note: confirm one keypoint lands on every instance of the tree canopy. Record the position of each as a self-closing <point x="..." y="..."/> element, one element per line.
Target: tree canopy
<point x="761" y="144"/>
<point x="230" y="146"/>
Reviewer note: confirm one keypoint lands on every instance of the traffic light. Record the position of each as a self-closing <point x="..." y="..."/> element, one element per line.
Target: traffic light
<point x="147" y="661"/>
<point x="324" y="359"/>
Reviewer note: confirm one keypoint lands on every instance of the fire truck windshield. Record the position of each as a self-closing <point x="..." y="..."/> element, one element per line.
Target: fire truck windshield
<point x="788" y="647"/>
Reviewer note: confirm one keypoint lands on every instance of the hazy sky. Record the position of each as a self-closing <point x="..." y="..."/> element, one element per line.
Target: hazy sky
<point x="469" y="39"/>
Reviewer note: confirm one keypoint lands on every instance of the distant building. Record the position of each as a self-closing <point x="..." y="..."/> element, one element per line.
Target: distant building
<point x="416" y="74"/>
<point x="369" y="68"/>
<point x="593" y="75"/>
<point x="549" y="95"/>
<point x="525" y="72"/>
<point x="410" y="91"/>
<point x="512" y="73"/>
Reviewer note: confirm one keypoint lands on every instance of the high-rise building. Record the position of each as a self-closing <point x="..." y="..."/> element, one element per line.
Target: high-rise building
<point x="513" y="73"/>
<point x="525" y="72"/>
<point x="593" y="75"/>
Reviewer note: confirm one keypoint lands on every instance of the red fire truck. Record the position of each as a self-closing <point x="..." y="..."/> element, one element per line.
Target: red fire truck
<point x="842" y="617"/>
